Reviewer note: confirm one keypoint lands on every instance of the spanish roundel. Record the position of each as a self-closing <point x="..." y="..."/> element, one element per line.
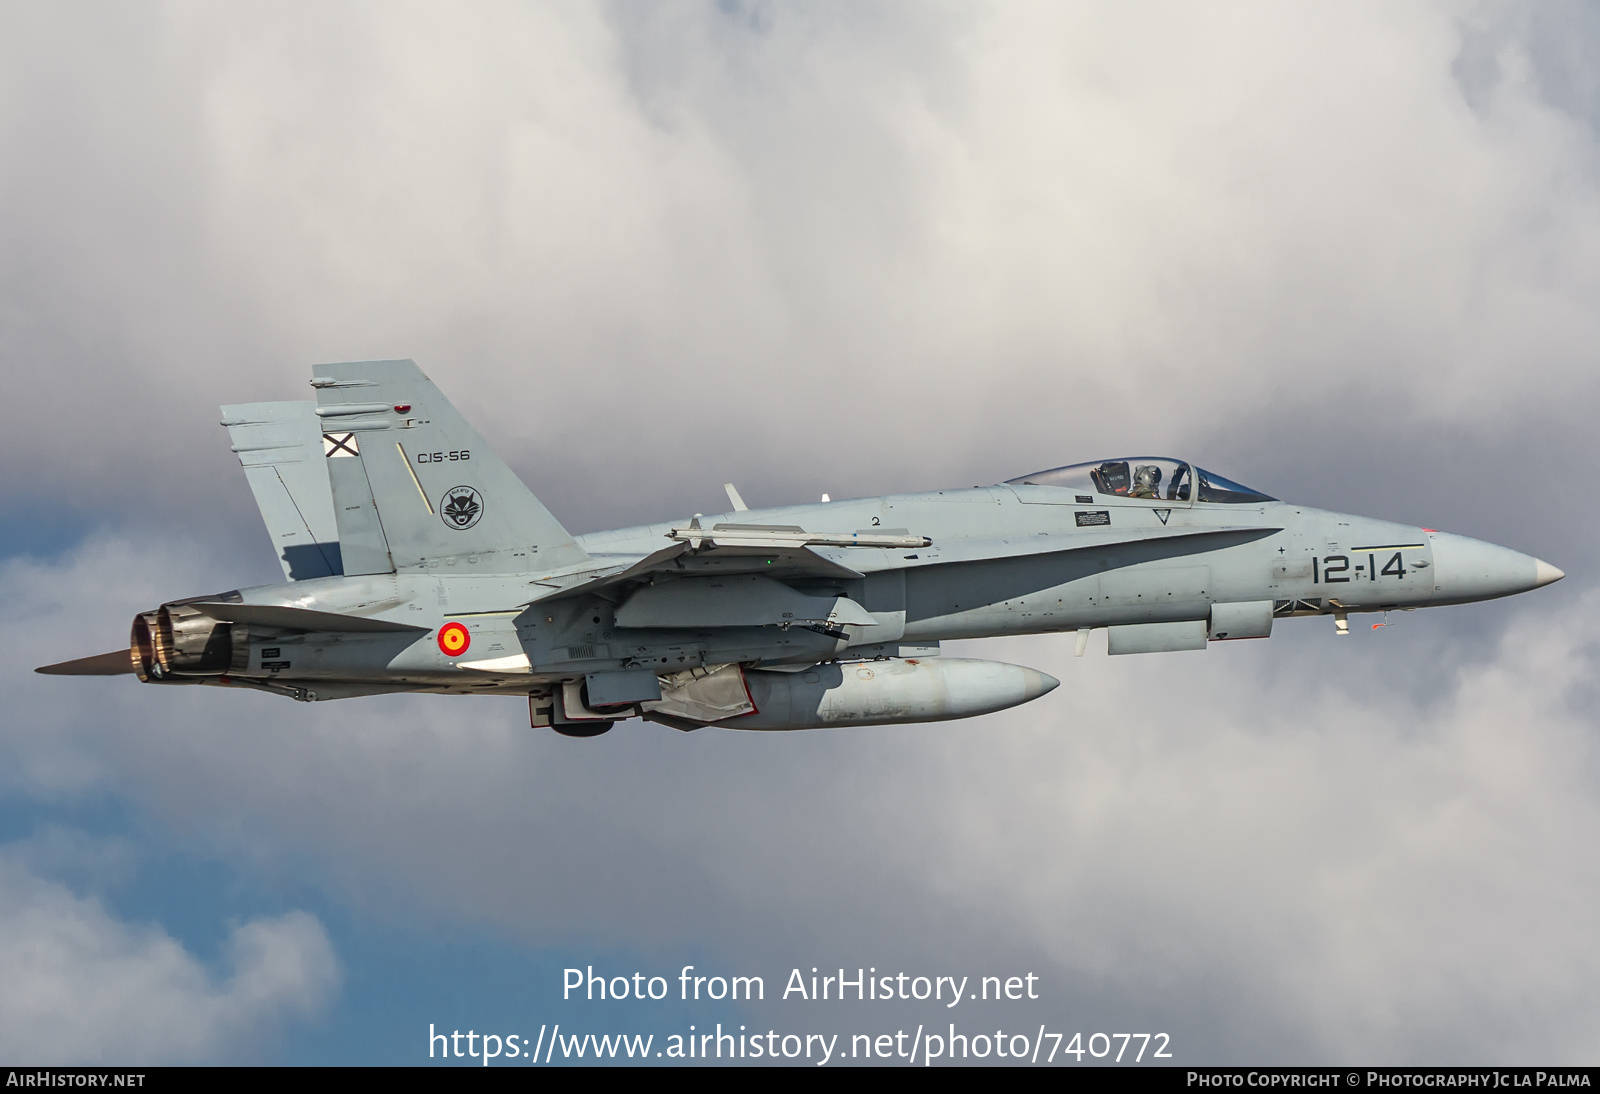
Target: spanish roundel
<point x="454" y="639"/>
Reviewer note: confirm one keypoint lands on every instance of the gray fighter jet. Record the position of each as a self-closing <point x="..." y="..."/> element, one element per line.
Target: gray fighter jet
<point x="415" y="560"/>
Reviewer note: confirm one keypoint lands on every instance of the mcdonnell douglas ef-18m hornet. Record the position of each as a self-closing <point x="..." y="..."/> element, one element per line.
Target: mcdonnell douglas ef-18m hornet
<point x="415" y="560"/>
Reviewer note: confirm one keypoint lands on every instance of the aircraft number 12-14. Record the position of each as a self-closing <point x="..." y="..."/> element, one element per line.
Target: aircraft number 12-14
<point x="1336" y="568"/>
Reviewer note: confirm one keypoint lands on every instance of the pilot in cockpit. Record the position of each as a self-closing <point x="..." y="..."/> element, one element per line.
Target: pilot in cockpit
<point x="1146" y="481"/>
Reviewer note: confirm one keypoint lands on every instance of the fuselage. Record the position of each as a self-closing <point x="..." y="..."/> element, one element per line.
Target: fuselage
<point x="415" y="559"/>
<point x="1009" y="560"/>
<point x="1003" y="560"/>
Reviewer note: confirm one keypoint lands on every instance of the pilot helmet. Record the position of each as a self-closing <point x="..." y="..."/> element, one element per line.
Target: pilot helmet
<point x="1147" y="475"/>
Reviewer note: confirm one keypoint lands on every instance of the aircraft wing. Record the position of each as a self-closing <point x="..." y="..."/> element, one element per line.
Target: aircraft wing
<point x="702" y="552"/>
<point x="783" y="563"/>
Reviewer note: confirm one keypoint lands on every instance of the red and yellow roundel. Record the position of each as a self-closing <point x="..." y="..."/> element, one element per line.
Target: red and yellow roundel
<point x="454" y="639"/>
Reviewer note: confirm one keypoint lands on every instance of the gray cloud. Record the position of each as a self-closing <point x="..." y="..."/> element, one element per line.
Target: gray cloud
<point x="909" y="246"/>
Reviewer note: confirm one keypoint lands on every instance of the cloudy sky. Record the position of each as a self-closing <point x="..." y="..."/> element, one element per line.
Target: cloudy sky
<point x="1349" y="256"/>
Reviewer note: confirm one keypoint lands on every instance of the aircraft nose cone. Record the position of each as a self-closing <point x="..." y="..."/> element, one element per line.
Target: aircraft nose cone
<point x="1546" y="574"/>
<point x="1036" y="683"/>
<point x="1470" y="569"/>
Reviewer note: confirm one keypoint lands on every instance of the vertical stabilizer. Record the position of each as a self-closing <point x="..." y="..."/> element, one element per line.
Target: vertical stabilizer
<point x="397" y="450"/>
<point x="362" y="545"/>
<point x="280" y="446"/>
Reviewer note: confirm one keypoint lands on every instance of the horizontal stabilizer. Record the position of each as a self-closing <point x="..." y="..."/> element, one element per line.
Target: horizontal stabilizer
<point x="297" y="619"/>
<point x="102" y="664"/>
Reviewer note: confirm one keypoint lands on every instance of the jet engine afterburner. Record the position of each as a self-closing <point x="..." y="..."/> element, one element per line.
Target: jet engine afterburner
<point x="179" y="640"/>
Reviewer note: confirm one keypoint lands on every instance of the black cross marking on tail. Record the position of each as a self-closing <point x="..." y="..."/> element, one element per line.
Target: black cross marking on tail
<point x="339" y="444"/>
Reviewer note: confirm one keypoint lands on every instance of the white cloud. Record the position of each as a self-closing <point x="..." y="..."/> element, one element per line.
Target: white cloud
<point x="79" y="986"/>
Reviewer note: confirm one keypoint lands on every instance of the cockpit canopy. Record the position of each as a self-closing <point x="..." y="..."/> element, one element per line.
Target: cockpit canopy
<point x="1154" y="477"/>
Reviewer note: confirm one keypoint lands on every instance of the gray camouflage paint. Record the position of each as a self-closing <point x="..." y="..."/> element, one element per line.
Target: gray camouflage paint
<point x="1012" y="559"/>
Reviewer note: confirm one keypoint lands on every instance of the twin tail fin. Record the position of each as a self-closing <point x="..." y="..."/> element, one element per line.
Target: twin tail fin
<point x="415" y="487"/>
